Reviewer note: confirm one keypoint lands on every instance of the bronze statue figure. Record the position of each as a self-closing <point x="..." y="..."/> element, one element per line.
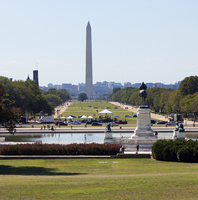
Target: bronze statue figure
<point x="143" y="93"/>
<point x="108" y="127"/>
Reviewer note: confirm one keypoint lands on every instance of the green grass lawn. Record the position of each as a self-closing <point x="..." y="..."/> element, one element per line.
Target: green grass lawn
<point x="82" y="108"/>
<point x="97" y="179"/>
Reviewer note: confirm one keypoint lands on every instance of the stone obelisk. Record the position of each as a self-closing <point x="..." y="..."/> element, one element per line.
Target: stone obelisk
<point x="89" y="81"/>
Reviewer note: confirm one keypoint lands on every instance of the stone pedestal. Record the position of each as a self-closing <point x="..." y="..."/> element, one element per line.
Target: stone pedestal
<point x="143" y="130"/>
<point x="108" y="135"/>
<point x="178" y="134"/>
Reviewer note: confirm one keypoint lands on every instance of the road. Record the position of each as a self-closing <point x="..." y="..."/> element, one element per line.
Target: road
<point x="153" y="115"/>
<point x="60" y="109"/>
<point x="76" y="129"/>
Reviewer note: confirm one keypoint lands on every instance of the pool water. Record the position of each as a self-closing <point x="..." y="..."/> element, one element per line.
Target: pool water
<point x="75" y="137"/>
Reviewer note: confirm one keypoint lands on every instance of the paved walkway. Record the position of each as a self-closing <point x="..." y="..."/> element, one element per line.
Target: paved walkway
<point x="133" y="155"/>
<point x="60" y="109"/>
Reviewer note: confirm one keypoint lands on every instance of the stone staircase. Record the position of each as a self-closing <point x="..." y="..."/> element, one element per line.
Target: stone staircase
<point x="143" y="145"/>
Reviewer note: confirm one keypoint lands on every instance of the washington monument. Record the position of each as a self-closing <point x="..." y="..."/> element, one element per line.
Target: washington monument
<point x="89" y="81"/>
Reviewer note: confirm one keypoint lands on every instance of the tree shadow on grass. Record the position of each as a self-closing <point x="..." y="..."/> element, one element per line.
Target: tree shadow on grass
<point x="9" y="170"/>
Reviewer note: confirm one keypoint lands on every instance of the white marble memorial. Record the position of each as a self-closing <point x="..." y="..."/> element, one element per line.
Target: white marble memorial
<point x="108" y="135"/>
<point x="143" y="130"/>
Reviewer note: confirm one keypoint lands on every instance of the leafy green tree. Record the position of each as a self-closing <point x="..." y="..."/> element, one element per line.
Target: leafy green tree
<point x="173" y="103"/>
<point x="11" y="116"/>
<point x="54" y="99"/>
<point x="116" y="89"/>
<point x="62" y="94"/>
<point x="162" y="104"/>
<point x="82" y="97"/>
<point x="24" y="95"/>
<point x="134" y="98"/>
<point x="189" y="86"/>
<point x="186" y="102"/>
<point x="194" y="106"/>
<point x="8" y="115"/>
<point x="189" y="104"/>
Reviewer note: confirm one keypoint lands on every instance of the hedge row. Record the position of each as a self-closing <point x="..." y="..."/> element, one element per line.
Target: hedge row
<point x="176" y="150"/>
<point x="57" y="149"/>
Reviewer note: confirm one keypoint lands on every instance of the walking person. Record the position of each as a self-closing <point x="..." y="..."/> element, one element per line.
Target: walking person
<point x="137" y="147"/>
<point x="123" y="149"/>
<point x="120" y="149"/>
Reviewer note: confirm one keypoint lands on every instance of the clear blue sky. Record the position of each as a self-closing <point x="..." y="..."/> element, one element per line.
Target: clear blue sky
<point x="132" y="40"/>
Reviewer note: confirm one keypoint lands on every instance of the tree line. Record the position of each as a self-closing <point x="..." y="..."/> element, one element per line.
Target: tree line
<point x="27" y="96"/>
<point x="56" y="97"/>
<point x="182" y="100"/>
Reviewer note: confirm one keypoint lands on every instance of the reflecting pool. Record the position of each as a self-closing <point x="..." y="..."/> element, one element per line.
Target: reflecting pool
<point x="75" y="137"/>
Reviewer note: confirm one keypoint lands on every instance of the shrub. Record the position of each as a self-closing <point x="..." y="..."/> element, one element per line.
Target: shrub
<point x="57" y="149"/>
<point x="185" y="154"/>
<point x="177" y="150"/>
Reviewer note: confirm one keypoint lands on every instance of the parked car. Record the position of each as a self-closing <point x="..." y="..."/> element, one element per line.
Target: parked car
<point x="134" y="115"/>
<point x="114" y="124"/>
<point x="162" y="122"/>
<point x="106" y="120"/>
<point x="62" y="123"/>
<point x="171" y="123"/>
<point x="115" y="107"/>
<point x="75" y="123"/>
<point x="120" y="122"/>
<point x="153" y="121"/>
<point x="96" y="124"/>
<point x="88" y="122"/>
<point x="126" y="107"/>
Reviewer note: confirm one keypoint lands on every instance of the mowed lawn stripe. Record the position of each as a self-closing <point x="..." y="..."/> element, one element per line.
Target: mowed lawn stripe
<point x="97" y="179"/>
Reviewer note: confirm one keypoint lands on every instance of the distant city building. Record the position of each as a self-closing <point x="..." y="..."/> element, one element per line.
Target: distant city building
<point x="35" y="77"/>
<point x="50" y="85"/>
<point x="81" y="87"/>
<point x="112" y="85"/>
<point x="104" y="88"/>
<point x="99" y="89"/>
<point x="67" y="86"/>
<point x="160" y="85"/>
<point x="58" y="87"/>
<point x="105" y="83"/>
<point x="136" y="85"/>
<point x="127" y="84"/>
